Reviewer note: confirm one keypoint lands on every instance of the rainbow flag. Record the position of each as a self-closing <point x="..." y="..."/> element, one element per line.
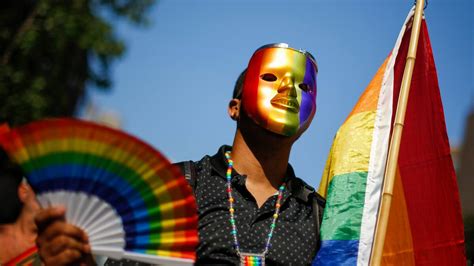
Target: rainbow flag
<point x="425" y="225"/>
<point x="4" y="128"/>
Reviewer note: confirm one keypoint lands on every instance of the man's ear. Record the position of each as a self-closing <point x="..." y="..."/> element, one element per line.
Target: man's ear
<point x="23" y="191"/>
<point x="234" y="109"/>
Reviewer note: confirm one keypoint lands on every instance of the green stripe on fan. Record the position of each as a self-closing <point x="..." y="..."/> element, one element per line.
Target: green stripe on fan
<point x="132" y="177"/>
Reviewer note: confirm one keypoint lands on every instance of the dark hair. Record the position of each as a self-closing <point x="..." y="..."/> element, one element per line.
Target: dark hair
<point x="11" y="176"/>
<point x="239" y="84"/>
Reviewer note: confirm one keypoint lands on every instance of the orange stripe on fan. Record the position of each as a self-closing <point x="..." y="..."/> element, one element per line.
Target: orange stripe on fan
<point x="369" y="99"/>
<point x="398" y="248"/>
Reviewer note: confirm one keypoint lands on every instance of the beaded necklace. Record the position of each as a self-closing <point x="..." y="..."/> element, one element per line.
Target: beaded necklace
<point x="249" y="258"/>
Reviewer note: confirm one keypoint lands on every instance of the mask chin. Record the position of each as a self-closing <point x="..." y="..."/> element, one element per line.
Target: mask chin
<point x="284" y="130"/>
<point x="281" y="130"/>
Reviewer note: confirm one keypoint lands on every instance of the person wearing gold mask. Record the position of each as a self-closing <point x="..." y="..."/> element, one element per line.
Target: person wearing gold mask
<point x="252" y="208"/>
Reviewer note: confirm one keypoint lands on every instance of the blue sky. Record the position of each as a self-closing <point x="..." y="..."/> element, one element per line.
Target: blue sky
<point x="172" y="86"/>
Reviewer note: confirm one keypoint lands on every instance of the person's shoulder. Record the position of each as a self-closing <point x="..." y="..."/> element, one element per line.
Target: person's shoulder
<point x="192" y="170"/>
<point x="184" y="166"/>
<point x="216" y="161"/>
<point x="321" y="201"/>
<point x="186" y="169"/>
<point x="305" y="192"/>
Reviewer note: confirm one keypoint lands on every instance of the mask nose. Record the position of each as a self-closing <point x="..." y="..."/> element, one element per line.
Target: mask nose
<point x="287" y="86"/>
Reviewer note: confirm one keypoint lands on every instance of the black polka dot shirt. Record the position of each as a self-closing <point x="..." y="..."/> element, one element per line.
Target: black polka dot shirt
<point x="294" y="240"/>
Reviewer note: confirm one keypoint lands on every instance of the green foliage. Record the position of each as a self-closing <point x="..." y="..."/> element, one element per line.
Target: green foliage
<point x="51" y="49"/>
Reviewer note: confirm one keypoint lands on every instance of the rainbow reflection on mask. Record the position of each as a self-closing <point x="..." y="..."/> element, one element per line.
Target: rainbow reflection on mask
<point x="279" y="91"/>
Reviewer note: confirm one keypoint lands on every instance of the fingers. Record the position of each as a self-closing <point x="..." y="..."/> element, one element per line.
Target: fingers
<point x="58" y="242"/>
<point x="46" y="216"/>
<point x="60" y="235"/>
<point x="61" y="242"/>
<point x="66" y="257"/>
<point x="61" y="228"/>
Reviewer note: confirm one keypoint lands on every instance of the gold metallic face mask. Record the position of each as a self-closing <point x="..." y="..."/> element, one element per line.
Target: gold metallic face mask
<point x="279" y="91"/>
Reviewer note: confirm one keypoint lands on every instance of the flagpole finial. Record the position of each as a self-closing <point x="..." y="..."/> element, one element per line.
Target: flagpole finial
<point x="426" y="4"/>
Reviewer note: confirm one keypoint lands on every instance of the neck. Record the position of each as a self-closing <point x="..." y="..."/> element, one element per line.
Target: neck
<point x="17" y="237"/>
<point x="262" y="157"/>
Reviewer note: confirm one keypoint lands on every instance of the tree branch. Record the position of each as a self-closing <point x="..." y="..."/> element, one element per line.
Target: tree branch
<point x="21" y="30"/>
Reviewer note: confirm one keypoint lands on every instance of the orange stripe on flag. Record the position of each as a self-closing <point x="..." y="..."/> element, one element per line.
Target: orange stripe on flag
<point x="398" y="248"/>
<point x="369" y="99"/>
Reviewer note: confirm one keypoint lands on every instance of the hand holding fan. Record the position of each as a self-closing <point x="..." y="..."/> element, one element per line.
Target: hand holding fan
<point x="125" y="195"/>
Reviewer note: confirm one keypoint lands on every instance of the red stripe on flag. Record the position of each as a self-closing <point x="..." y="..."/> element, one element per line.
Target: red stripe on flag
<point x="425" y="164"/>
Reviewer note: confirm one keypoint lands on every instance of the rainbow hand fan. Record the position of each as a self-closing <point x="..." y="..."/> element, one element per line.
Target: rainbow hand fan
<point x="129" y="199"/>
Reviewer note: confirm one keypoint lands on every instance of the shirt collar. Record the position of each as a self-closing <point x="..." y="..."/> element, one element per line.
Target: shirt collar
<point x="297" y="187"/>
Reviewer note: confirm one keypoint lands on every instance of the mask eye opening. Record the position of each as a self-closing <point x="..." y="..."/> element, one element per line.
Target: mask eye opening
<point x="268" y="77"/>
<point x="305" y="87"/>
